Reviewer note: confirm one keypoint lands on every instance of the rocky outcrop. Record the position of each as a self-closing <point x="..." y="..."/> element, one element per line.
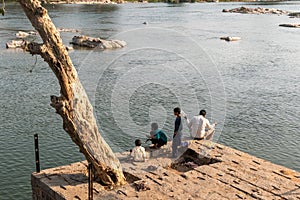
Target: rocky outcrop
<point x="290" y="25"/>
<point x="22" y="44"/>
<point x="257" y="10"/>
<point x="229" y="38"/>
<point x="77" y="2"/>
<point x="13" y="44"/>
<point x="91" y="42"/>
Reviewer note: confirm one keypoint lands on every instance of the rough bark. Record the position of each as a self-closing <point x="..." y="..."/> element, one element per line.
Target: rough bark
<point x="73" y="105"/>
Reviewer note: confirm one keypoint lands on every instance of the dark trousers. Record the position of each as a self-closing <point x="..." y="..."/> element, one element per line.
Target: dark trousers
<point x="158" y="142"/>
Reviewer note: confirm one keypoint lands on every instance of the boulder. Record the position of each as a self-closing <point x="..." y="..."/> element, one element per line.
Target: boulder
<point x="91" y="42"/>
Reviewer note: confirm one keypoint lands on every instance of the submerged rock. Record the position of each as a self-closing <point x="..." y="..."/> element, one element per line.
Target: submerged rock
<point x="295" y="15"/>
<point x="22" y="34"/>
<point x="68" y="30"/>
<point x="290" y="25"/>
<point x="229" y="39"/>
<point x="91" y="42"/>
<point x="257" y="10"/>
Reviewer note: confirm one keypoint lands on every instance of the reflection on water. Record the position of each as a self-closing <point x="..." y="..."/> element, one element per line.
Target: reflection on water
<point x="260" y="74"/>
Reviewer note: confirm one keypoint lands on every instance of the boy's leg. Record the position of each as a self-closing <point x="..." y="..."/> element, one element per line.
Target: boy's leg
<point x="160" y="143"/>
<point x="209" y="134"/>
<point x="154" y="141"/>
<point x="175" y="144"/>
<point x="174" y="150"/>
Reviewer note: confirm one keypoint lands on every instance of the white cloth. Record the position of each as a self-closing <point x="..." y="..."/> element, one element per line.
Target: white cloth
<point x="197" y="126"/>
<point x="138" y="153"/>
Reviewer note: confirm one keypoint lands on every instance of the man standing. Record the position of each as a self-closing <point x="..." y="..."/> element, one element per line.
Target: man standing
<point x="198" y="124"/>
<point x="177" y="132"/>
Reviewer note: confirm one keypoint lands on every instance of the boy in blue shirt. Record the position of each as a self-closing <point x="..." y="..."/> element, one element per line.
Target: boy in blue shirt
<point x="157" y="136"/>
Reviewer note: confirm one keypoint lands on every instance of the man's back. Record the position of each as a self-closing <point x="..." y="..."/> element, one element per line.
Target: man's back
<point x="197" y="125"/>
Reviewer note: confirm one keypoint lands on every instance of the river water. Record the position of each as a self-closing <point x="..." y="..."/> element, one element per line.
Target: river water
<point x="250" y="87"/>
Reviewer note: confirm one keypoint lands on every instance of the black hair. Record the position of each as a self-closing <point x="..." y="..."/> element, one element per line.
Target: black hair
<point x="177" y="109"/>
<point x="138" y="142"/>
<point x="202" y="112"/>
<point x="154" y="126"/>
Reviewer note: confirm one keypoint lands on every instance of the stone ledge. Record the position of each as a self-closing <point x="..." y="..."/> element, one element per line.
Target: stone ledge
<point x="235" y="175"/>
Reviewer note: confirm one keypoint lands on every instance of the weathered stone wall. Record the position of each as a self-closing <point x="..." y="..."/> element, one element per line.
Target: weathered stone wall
<point x="40" y="190"/>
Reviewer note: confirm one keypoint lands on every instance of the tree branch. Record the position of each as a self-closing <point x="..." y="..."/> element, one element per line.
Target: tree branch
<point x="35" y="48"/>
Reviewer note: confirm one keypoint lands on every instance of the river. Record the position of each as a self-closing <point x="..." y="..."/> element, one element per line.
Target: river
<point x="250" y="87"/>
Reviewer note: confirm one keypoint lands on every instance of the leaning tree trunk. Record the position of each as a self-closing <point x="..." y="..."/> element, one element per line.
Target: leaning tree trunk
<point x="73" y="104"/>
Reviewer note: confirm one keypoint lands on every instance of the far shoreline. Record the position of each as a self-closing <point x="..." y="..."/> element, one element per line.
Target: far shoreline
<point x="108" y="2"/>
<point x="115" y="2"/>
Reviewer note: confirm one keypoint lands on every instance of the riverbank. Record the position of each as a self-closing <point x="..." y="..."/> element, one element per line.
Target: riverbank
<point x="205" y="170"/>
<point x="135" y="1"/>
<point x="259" y="74"/>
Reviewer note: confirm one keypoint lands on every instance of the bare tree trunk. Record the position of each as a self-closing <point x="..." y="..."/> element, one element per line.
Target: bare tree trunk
<point x="73" y="105"/>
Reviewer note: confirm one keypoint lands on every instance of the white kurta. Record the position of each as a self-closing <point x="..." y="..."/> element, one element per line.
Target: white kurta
<point x="197" y="126"/>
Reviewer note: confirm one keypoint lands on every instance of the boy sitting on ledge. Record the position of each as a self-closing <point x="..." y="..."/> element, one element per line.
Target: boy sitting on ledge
<point x="138" y="152"/>
<point x="157" y="136"/>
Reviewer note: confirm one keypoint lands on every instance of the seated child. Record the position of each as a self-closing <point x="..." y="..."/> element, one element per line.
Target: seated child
<point x="157" y="136"/>
<point x="138" y="152"/>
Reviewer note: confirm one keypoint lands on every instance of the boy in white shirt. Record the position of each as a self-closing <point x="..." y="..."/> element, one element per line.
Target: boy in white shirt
<point x="138" y="152"/>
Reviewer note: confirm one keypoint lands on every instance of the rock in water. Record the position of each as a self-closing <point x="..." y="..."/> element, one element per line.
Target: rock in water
<point x="16" y="44"/>
<point x="290" y="25"/>
<point x="229" y="39"/>
<point x="295" y="15"/>
<point x="257" y="10"/>
<point x="22" y="34"/>
<point x="91" y="42"/>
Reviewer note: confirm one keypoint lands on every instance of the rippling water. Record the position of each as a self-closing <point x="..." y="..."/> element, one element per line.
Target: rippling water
<point x="176" y="59"/>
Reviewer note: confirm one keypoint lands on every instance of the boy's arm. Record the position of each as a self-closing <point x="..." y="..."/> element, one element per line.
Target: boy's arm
<point x="209" y="126"/>
<point x="189" y="122"/>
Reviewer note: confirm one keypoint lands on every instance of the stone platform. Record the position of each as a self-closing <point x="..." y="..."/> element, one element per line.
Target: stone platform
<point x="205" y="170"/>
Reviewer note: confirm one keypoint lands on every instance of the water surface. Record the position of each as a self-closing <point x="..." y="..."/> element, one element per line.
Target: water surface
<point x="136" y="85"/>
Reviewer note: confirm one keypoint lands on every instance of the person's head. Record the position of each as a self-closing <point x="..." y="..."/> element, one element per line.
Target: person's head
<point x="202" y="112"/>
<point x="138" y="142"/>
<point x="154" y="126"/>
<point x="177" y="111"/>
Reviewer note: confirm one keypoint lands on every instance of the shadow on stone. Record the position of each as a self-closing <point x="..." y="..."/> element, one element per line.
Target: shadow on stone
<point x="130" y="178"/>
<point x="190" y="160"/>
